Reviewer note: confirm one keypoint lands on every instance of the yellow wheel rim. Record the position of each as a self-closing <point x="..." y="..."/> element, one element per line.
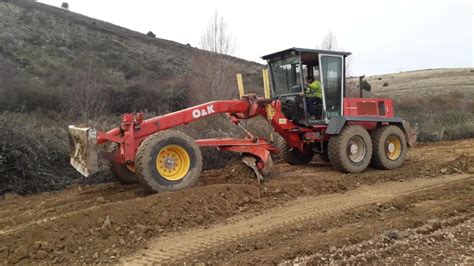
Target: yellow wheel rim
<point x="173" y="162"/>
<point x="393" y="147"/>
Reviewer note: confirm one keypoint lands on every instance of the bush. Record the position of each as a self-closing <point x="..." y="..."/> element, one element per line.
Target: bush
<point x="366" y="85"/>
<point x="385" y="84"/>
<point x="33" y="155"/>
<point x="151" y="34"/>
<point x="438" y="117"/>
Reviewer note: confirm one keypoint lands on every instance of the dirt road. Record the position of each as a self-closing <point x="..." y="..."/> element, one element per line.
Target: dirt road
<point x="421" y="212"/>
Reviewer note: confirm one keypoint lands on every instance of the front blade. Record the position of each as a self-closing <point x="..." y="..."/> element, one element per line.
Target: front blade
<point x="83" y="150"/>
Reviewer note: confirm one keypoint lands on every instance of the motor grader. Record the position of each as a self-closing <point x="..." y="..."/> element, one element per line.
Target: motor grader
<point x="350" y="133"/>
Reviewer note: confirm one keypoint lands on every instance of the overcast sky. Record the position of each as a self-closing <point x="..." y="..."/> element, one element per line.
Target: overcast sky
<point x="384" y="36"/>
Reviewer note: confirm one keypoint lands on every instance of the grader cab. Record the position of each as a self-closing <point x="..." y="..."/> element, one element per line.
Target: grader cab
<point x="289" y="70"/>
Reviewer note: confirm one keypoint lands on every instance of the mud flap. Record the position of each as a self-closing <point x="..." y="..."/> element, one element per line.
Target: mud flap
<point x="83" y="150"/>
<point x="410" y="134"/>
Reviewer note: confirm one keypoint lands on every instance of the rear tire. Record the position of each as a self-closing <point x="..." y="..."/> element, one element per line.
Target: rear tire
<point x="292" y="155"/>
<point x="390" y="147"/>
<point x="168" y="161"/>
<point x="351" y="150"/>
<point x="121" y="172"/>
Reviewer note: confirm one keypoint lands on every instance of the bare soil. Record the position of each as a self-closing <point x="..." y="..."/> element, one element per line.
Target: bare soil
<point x="110" y="223"/>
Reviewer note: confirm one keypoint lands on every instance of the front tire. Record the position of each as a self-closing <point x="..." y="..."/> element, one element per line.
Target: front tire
<point x="390" y="147"/>
<point x="292" y="155"/>
<point x="351" y="150"/>
<point x="168" y="161"/>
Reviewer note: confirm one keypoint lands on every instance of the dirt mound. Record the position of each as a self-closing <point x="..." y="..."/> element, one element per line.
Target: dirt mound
<point x="112" y="228"/>
<point x="461" y="164"/>
<point x="237" y="172"/>
<point x="234" y="172"/>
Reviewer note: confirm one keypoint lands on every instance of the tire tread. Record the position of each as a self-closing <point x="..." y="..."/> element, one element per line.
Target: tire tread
<point x="293" y="158"/>
<point x="338" y="158"/>
<point x="378" y="159"/>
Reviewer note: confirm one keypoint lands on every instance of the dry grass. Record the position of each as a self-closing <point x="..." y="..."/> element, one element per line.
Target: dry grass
<point x="435" y="82"/>
<point x="438" y="102"/>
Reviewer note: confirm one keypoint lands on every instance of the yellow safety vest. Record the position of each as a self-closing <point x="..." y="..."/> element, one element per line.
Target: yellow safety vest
<point x="314" y="90"/>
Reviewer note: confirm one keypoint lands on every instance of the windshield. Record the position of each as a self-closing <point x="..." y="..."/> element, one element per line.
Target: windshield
<point x="286" y="76"/>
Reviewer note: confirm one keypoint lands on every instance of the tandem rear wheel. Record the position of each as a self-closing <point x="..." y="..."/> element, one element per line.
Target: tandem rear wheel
<point x="389" y="147"/>
<point x="354" y="148"/>
<point x="351" y="150"/>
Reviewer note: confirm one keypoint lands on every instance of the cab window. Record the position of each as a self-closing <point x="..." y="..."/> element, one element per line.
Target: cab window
<point x="286" y="75"/>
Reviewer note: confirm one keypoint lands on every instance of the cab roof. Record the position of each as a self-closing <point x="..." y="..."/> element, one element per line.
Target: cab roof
<point x="294" y="49"/>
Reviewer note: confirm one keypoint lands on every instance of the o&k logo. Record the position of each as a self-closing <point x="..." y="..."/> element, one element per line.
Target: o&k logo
<point x="203" y="112"/>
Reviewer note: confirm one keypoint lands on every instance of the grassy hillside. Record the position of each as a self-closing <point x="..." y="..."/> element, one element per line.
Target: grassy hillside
<point x="432" y="82"/>
<point x="50" y="54"/>
<point x="438" y="102"/>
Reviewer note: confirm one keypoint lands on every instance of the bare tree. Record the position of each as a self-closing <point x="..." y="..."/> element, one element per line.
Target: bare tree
<point x="349" y="66"/>
<point x="86" y="99"/>
<point x="215" y="66"/>
<point x="217" y="37"/>
<point x="85" y="96"/>
<point x="329" y="42"/>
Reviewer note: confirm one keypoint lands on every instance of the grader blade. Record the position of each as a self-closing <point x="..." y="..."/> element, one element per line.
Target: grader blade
<point x="251" y="162"/>
<point x="83" y="150"/>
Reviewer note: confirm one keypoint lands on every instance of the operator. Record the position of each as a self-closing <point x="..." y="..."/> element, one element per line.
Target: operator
<point x="313" y="95"/>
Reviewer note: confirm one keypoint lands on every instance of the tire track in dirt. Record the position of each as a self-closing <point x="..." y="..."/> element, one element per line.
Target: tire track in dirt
<point x="174" y="247"/>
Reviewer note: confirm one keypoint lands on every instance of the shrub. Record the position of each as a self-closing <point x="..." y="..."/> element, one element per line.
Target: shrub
<point x="438" y="117"/>
<point x="385" y="84"/>
<point x="33" y="155"/>
<point x="366" y="85"/>
<point x="151" y="34"/>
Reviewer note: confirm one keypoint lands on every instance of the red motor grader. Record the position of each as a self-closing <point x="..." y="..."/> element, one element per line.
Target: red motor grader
<point x="350" y="133"/>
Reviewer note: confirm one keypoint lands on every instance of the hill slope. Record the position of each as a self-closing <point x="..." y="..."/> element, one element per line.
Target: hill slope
<point x="429" y="82"/>
<point x="59" y="68"/>
<point x="51" y="53"/>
